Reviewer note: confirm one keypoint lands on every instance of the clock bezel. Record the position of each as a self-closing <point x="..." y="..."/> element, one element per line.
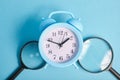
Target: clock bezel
<point x="77" y="34"/>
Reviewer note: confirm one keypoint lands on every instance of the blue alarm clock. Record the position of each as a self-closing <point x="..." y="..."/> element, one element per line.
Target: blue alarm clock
<point x="60" y="43"/>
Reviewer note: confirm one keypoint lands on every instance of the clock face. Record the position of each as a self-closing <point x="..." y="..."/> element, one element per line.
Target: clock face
<point x="60" y="44"/>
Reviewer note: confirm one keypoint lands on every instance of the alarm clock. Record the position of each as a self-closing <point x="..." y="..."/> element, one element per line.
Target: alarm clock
<point x="60" y="43"/>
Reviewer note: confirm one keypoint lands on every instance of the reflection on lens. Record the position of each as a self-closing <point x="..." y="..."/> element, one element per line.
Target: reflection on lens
<point x="96" y="55"/>
<point x="106" y="60"/>
<point x="31" y="57"/>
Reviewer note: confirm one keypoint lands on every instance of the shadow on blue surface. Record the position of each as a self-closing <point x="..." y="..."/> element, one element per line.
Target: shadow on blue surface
<point x="30" y="30"/>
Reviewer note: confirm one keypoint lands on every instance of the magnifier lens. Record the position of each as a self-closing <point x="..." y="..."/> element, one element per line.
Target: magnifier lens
<point x="96" y="55"/>
<point x="30" y="56"/>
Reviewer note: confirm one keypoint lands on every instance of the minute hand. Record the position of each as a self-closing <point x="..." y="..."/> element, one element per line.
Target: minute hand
<point x="64" y="41"/>
<point x="53" y="42"/>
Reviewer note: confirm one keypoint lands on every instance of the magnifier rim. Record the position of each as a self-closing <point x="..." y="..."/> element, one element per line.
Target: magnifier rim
<point x="107" y="68"/>
<point x="22" y="63"/>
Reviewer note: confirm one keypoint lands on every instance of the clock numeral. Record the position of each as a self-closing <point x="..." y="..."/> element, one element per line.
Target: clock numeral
<point x="54" y="57"/>
<point x="66" y="33"/>
<point x="47" y="45"/>
<point x="71" y="37"/>
<point x="53" y="33"/>
<point x="51" y="39"/>
<point x="61" y="58"/>
<point x="72" y="51"/>
<point x="68" y="56"/>
<point x="49" y="51"/>
<point x="60" y="32"/>
<point x="74" y="45"/>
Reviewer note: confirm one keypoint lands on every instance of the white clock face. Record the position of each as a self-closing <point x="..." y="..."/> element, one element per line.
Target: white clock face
<point x="60" y="45"/>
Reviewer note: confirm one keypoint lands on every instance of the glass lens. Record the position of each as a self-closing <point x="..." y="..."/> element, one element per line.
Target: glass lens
<point x="96" y="55"/>
<point x="31" y="57"/>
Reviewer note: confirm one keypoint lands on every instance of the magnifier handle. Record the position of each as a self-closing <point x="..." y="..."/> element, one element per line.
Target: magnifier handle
<point x="14" y="75"/>
<point x="115" y="73"/>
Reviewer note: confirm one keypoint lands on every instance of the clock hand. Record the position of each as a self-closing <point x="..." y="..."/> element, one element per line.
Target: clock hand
<point x="64" y="42"/>
<point x="63" y="37"/>
<point x="53" y="42"/>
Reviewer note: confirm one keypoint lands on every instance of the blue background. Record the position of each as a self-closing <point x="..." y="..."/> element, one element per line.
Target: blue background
<point x="19" y="23"/>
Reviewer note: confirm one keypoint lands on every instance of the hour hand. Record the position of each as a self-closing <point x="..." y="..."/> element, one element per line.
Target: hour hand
<point x="64" y="41"/>
<point x="53" y="42"/>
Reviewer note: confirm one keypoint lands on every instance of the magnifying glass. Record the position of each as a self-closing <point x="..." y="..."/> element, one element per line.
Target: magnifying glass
<point x="29" y="58"/>
<point x="97" y="56"/>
